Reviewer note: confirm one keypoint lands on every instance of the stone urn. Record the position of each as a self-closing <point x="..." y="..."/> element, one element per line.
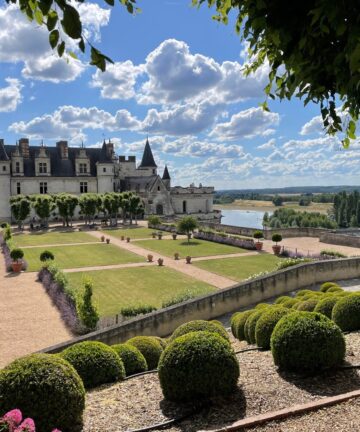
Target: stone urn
<point x="176" y="256"/>
<point x="107" y="240"/>
<point x="174" y="236"/>
<point x="188" y="260"/>
<point x="259" y="246"/>
<point x="276" y="249"/>
<point x="150" y="258"/>
<point x="122" y="238"/>
<point x="127" y="239"/>
<point x="102" y="238"/>
<point x="160" y="262"/>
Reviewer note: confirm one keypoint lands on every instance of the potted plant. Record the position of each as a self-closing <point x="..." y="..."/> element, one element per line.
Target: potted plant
<point x="276" y="238"/>
<point x="174" y="236"/>
<point x="188" y="259"/>
<point x="176" y="256"/>
<point x="107" y="240"/>
<point x="150" y="258"/>
<point x="127" y="239"/>
<point x="17" y="255"/>
<point x="258" y="235"/>
<point x="160" y="261"/>
<point x="102" y="238"/>
<point x="159" y="234"/>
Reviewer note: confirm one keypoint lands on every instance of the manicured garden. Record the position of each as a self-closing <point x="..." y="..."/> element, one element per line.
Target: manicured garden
<point x="195" y="248"/>
<point x="134" y="233"/>
<point x="52" y="238"/>
<point x="240" y="268"/>
<point x="114" y="289"/>
<point x="66" y="257"/>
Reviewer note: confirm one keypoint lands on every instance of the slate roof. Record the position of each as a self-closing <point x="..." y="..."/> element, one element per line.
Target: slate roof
<point x="147" y="160"/>
<point x="144" y="182"/>
<point x="61" y="167"/>
<point x="166" y="175"/>
<point x="3" y="154"/>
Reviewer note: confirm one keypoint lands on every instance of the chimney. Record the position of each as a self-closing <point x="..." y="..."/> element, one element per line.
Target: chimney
<point x="24" y="147"/>
<point x="122" y="159"/>
<point x="64" y="150"/>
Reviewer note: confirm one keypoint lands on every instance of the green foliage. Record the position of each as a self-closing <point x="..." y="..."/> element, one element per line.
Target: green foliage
<point x="258" y="235"/>
<point x="87" y="312"/>
<point x="95" y="362"/>
<point x="277" y="201"/>
<point x="45" y="388"/>
<point x="287" y="218"/>
<point x="332" y="253"/>
<point x="198" y="365"/>
<point x="181" y="297"/>
<point x="66" y="204"/>
<point x="200" y="325"/>
<point x="266" y="324"/>
<point x="346" y="313"/>
<point x="43" y="206"/>
<point x="308" y="305"/>
<point x="276" y="238"/>
<point x="334" y="289"/>
<point x="289" y="262"/>
<point x="149" y="347"/>
<point x="238" y="323"/>
<point x="290" y="303"/>
<point x="134" y="362"/>
<point x="325" y="305"/>
<point x="307" y="342"/>
<point x="262" y="306"/>
<point x="250" y="325"/>
<point x="90" y="203"/>
<point x="6" y="231"/>
<point x="133" y="310"/>
<point x="46" y="256"/>
<point x="187" y="225"/>
<point x="347" y="209"/>
<point x="303" y="292"/>
<point x="20" y="208"/>
<point x="282" y="299"/>
<point x="17" y="254"/>
<point x="326" y="285"/>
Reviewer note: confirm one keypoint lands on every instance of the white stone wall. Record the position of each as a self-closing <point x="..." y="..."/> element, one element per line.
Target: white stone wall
<point x="195" y="203"/>
<point x="5" y="213"/>
<point x="31" y="185"/>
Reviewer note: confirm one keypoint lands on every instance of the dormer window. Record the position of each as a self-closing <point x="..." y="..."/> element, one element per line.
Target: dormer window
<point x="83" y="168"/>
<point x="42" y="167"/>
<point x="17" y="167"/>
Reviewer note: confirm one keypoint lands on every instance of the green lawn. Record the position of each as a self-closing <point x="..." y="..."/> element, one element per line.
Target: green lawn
<point x="114" y="289"/>
<point x="240" y="268"/>
<point x="196" y="248"/>
<point x="50" y="238"/>
<point x="133" y="233"/>
<point x="82" y="256"/>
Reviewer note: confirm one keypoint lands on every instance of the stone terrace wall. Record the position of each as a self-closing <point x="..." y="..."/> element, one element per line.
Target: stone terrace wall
<point x="340" y="239"/>
<point x="164" y="322"/>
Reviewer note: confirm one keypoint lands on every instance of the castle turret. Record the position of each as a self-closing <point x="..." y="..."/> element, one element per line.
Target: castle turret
<point x="166" y="178"/>
<point x="148" y="162"/>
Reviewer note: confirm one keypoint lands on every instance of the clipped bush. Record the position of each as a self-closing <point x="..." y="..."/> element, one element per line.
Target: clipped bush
<point x="276" y="238"/>
<point x="289" y="262"/>
<point x="233" y="323"/>
<point x="308" y="305"/>
<point x="200" y="325"/>
<point x="133" y="310"/>
<point x="163" y="343"/>
<point x="198" y="365"/>
<point x="346" y="313"/>
<point x="149" y="347"/>
<point x="301" y="293"/>
<point x="332" y="253"/>
<point x="249" y="329"/>
<point x="266" y="324"/>
<point x="46" y="256"/>
<point x="325" y="305"/>
<point x="239" y="323"/>
<point x="307" y="342"/>
<point x="326" y="285"/>
<point x="46" y="388"/>
<point x="258" y="235"/>
<point x="95" y="362"/>
<point x="334" y="289"/>
<point x="282" y="299"/>
<point x="261" y="306"/>
<point x="182" y="297"/>
<point x="291" y="302"/>
<point x="134" y="362"/>
<point x="17" y="254"/>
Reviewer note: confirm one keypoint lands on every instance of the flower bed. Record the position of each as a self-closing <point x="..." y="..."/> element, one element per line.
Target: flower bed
<point x="225" y="239"/>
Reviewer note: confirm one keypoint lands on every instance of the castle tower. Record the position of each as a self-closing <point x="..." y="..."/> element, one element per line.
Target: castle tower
<point x="148" y="164"/>
<point x="166" y="178"/>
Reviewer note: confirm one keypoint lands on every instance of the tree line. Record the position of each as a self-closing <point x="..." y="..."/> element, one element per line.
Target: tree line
<point x="110" y="205"/>
<point x="277" y="199"/>
<point x="287" y="218"/>
<point x="347" y="209"/>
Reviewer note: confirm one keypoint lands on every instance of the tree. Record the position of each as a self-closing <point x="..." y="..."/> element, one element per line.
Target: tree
<point x="89" y="205"/>
<point x="111" y="202"/>
<point x="187" y="224"/>
<point x="43" y="206"/>
<point x="87" y="312"/>
<point x="277" y="200"/>
<point x="66" y="204"/>
<point x="134" y="203"/>
<point x="20" y="209"/>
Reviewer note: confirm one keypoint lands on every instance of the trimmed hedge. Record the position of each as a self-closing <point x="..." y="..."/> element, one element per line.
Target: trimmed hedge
<point x="282" y="299"/>
<point x="134" y="362"/>
<point x="262" y="306"/>
<point x="334" y="289"/>
<point x="307" y="342"/>
<point x="249" y="330"/>
<point x="290" y="303"/>
<point x="303" y="292"/>
<point x="308" y="305"/>
<point x="239" y="322"/>
<point x="149" y="347"/>
<point x="200" y="325"/>
<point x="346" y="313"/>
<point x="95" y="362"/>
<point x="46" y="388"/>
<point x="266" y="324"/>
<point x="326" y="285"/>
<point x="233" y="322"/>
<point x="198" y="365"/>
<point x="325" y="305"/>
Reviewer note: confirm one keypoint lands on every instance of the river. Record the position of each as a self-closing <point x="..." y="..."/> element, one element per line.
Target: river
<point x="243" y="218"/>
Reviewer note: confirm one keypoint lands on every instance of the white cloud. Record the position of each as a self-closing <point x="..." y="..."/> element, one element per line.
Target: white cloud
<point x="93" y="17"/>
<point x="10" y="96"/>
<point x="52" y="69"/>
<point x="247" y="124"/>
<point x="268" y="145"/>
<point x="315" y="125"/>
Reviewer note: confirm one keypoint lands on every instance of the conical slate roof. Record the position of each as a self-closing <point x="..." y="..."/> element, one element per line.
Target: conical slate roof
<point x="3" y="154"/>
<point x="166" y="175"/>
<point x="148" y="158"/>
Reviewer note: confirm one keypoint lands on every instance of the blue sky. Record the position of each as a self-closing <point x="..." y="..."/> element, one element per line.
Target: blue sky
<point x="178" y="78"/>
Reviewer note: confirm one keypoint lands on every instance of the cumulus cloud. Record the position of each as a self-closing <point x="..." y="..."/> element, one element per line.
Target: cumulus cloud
<point x="247" y="124"/>
<point x="268" y="145"/>
<point x="10" y="96"/>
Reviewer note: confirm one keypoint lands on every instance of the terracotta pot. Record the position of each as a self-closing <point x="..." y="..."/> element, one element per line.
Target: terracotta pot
<point x="16" y="266"/>
<point x="102" y="238"/>
<point x="176" y="255"/>
<point x="259" y="246"/>
<point x="174" y="236"/>
<point x="188" y="260"/>
<point x="122" y="237"/>
<point x="150" y="258"/>
<point x="276" y="249"/>
<point x="107" y="240"/>
<point x="127" y="239"/>
<point x="160" y="262"/>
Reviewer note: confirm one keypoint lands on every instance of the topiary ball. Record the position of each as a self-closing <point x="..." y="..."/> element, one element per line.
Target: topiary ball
<point x="307" y="342"/>
<point x="45" y="388"/>
<point x="326" y="285"/>
<point x="250" y="325"/>
<point x="198" y="365"/>
<point x="239" y="323"/>
<point x="334" y="289"/>
<point x="163" y="343"/>
<point x="282" y="299"/>
<point x="266" y="324"/>
<point x="233" y="321"/>
<point x="290" y="303"/>
<point x="134" y="362"/>
<point x="308" y="305"/>
<point x="325" y="306"/>
<point x="301" y="293"/>
<point x="262" y="306"/>
<point x="346" y="313"/>
<point x="200" y="325"/>
<point x="95" y="362"/>
<point x="149" y="347"/>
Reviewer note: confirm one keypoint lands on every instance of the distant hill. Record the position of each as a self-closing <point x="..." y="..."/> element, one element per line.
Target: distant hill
<point x="291" y="190"/>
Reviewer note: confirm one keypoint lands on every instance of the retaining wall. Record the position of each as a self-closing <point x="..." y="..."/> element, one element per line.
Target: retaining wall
<point x="164" y="322"/>
<point x="340" y="239"/>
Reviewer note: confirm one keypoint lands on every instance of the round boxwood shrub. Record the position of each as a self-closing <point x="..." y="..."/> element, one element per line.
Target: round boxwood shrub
<point x="200" y="325"/>
<point x="301" y="293"/>
<point x="326" y="285"/>
<point x="290" y="303"/>
<point x="17" y="254"/>
<point x="282" y="299"/>
<point x="250" y="325"/>
<point x="233" y="321"/>
<point x="95" y="362"/>
<point x="161" y="341"/>
<point x="149" y="347"/>
<point x="326" y="305"/>
<point x="46" y="388"/>
<point x="266" y="324"/>
<point x="308" y="305"/>
<point x="134" y="362"/>
<point x="346" y="313"/>
<point x="307" y="342"/>
<point x="262" y="306"/>
<point x="334" y="289"/>
<point x="239" y="323"/>
<point x="198" y="365"/>
<point x="46" y="256"/>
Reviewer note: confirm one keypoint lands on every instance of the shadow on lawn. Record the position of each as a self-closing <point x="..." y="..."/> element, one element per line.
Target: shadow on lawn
<point x="191" y="243"/>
